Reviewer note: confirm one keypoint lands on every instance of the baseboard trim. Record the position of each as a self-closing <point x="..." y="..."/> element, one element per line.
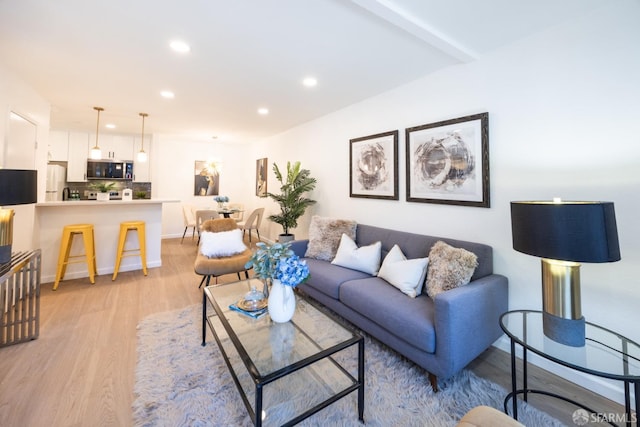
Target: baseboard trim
<point x="101" y="271"/>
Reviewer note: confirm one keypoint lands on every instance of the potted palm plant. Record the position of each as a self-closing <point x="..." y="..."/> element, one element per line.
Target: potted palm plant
<point x="291" y="199"/>
<point x="103" y="189"/>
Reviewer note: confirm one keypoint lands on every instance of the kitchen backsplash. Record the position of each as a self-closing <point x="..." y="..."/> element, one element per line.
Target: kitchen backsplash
<point x="141" y="190"/>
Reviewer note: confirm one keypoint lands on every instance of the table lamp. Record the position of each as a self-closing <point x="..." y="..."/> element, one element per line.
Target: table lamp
<point x="564" y="234"/>
<point x="17" y="187"/>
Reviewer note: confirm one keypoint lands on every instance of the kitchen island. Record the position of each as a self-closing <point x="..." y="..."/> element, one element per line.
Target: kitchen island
<point x="106" y="217"/>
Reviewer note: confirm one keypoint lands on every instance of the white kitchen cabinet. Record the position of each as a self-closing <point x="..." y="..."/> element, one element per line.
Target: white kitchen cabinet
<point x="114" y="147"/>
<point x="142" y="170"/>
<point x="58" y="146"/>
<point x="79" y="146"/>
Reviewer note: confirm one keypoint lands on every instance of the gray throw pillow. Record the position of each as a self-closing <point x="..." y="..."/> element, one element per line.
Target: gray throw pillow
<point x="325" y="234"/>
<point x="449" y="268"/>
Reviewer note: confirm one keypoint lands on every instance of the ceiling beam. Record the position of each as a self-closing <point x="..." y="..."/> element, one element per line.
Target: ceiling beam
<point x="392" y="13"/>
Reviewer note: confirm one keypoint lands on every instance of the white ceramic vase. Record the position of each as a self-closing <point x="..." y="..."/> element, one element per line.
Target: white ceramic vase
<point x="282" y="302"/>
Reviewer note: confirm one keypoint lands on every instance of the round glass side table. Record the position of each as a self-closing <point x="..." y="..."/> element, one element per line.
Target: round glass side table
<point x="605" y="354"/>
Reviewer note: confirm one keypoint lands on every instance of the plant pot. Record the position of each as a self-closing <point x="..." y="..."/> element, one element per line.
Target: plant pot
<point x="283" y="238"/>
<point x="102" y="197"/>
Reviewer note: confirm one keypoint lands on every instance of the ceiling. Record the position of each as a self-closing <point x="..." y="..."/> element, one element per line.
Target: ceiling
<point x="245" y="54"/>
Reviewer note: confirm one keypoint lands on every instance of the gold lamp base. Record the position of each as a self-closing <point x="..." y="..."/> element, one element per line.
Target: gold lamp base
<point x="6" y="234"/>
<point x="562" y="318"/>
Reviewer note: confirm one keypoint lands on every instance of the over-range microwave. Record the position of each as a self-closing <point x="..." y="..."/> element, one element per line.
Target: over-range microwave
<point x="106" y="169"/>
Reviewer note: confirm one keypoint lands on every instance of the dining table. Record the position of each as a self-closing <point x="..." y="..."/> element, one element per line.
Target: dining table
<point x="227" y="212"/>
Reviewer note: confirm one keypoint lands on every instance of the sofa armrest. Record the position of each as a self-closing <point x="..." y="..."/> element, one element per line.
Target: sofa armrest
<point x="467" y="321"/>
<point x="299" y="247"/>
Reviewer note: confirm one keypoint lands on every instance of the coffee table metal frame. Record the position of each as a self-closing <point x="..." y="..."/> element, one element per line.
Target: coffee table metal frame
<point x="524" y="327"/>
<point x="261" y="381"/>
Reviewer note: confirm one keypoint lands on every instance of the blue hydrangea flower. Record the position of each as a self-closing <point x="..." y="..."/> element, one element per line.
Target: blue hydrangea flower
<point x="291" y="271"/>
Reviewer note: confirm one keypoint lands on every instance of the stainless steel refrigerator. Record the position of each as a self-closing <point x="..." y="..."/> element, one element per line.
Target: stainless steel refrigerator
<point x="56" y="181"/>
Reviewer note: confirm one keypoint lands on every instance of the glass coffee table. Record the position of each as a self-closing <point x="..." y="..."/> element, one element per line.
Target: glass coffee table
<point x="285" y="372"/>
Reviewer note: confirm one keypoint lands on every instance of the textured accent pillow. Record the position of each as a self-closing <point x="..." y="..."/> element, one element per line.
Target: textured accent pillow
<point x="405" y="274"/>
<point x="449" y="268"/>
<point x="365" y="259"/>
<point x="325" y="234"/>
<point x="221" y="244"/>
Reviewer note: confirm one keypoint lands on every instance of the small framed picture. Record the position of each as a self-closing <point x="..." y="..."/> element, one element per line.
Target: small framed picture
<point x="448" y="162"/>
<point x="261" y="177"/>
<point x="373" y="166"/>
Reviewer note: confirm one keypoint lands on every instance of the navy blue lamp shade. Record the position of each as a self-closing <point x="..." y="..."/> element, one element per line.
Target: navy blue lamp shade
<point x="564" y="234"/>
<point x="567" y="231"/>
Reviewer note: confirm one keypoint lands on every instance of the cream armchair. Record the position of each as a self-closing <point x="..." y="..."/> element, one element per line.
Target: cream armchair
<point x="189" y="221"/>
<point x="203" y="215"/>
<point x="239" y="215"/>
<point x="252" y="223"/>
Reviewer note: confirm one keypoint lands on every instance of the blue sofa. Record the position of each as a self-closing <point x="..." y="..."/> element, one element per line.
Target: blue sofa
<point x="441" y="335"/>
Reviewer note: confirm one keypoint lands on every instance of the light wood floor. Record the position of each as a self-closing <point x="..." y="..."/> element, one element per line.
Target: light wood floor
<point x="80" y="371"/>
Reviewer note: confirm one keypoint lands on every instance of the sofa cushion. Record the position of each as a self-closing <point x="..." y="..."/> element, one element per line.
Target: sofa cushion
<point x="327" y="278"/>
<point x="411" y="319"/>
<point x="405" y="274"/>
<point x="365" y="258"/>
<point x="325" y="234"/>
<point x="418" y="245"/>
<point x="449" y="268"/>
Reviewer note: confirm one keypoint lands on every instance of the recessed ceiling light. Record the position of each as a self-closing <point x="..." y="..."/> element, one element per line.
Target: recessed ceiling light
<point x="263" y="111"/>
<point x="167" y="94"/>
<point x="110" y="126"/>
<point x="310" y="81"/>
<point x="180" y="46"/>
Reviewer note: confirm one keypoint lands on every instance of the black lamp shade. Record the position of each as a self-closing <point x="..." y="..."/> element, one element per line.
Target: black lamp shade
<point x="18" y="186"/>
<point x="567" y="231"/>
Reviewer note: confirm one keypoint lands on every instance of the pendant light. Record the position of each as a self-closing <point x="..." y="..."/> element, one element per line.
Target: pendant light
<point x="96" y="153"/>
<point x="142" y="156"/>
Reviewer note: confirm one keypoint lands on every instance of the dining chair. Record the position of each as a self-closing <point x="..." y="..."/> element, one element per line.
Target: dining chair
<point x="238" y="216"/>
<point x="189" y="221"/>
<point x="201" y="216"/>
<point x="252" y="223"/>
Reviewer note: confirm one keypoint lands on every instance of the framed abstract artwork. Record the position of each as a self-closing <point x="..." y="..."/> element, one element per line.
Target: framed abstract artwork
<point x="373" y="166"/>
<point x="448" y="162"/>
<point x="261" y="177"/>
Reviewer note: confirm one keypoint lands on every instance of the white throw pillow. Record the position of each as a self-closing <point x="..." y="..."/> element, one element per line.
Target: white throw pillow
<point x="220" y="244"/>
<point x="365" y="259"/>
<point x="405" y="274"/>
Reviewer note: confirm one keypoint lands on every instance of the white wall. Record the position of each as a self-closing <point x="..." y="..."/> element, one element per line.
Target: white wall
<point x="563" y="119"/>
<point x="172" y="175"/>
<point x="17" y="96"/>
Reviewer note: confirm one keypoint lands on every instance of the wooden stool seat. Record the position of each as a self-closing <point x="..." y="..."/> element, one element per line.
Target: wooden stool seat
<point x="89" y="255"/>
<point x="141" y="251"/>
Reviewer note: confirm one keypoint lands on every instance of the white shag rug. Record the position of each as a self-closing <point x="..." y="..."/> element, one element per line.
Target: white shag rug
<point x="181" y="383"/>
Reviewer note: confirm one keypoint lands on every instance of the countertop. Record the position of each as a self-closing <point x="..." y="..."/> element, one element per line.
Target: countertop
<point x="72" y="203"/>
